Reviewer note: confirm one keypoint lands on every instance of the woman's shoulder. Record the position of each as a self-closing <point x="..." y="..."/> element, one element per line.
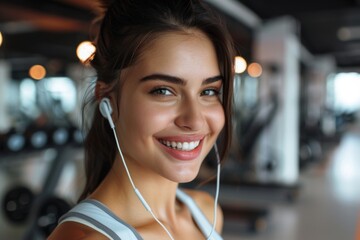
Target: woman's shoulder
<point x="73" y="225"/>
<point x="202" y="198"/>
<point x="75" y="231"/>
<point x="205" y="201"/>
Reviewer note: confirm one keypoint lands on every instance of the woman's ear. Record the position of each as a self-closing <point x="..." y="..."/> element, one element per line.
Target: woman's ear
<point x="103" y="90"/>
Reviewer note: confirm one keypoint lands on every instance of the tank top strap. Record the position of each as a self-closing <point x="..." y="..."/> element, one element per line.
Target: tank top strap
<point x="97" y="216"/>
<point x="198" y="216"/>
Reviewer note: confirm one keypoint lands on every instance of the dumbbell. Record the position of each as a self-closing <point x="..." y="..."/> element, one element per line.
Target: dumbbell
<point x="60" y="136"/>
<point x="17" y="204"/>
<point x="15" y="142"/>
<point x="49" y="212"/>
<point x="38" y="139"/>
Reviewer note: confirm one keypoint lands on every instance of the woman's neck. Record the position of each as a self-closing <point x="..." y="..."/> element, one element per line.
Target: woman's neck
<point x="116" y="191"/>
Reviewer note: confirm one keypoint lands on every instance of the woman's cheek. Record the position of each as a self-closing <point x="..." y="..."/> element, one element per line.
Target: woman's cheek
<point x="216" y="118"/>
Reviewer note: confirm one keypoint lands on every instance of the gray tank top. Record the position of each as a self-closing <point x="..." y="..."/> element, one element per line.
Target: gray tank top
<point x="97" y="216"/>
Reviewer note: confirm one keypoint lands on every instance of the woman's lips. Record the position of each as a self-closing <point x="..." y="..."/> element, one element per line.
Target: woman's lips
<point x="184" y="146"/>
<point x="182" y="150"/>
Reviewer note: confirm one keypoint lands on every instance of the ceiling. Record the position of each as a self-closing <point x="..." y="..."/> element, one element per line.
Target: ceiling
<point x="48" y="31"/>
<point x="326" y="26"/>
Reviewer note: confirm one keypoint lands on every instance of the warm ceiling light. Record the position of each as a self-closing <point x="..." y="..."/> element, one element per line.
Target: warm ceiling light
<point x="255" y="70"/>
<point x="1" y="39"/>
<point x="85" y="50"/>
<point x="240" y="64"/>
<point x="37" y="72"/>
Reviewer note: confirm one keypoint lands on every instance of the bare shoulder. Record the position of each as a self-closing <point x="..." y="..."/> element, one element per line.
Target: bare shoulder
<point x="206" y="202"/>
<point x="75" y="231"/>
<point x="202" y="198"/>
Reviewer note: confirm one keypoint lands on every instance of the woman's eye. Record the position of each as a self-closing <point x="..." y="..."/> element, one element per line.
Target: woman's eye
<point x="210" y="92"/>
<point x="161" y="91"/>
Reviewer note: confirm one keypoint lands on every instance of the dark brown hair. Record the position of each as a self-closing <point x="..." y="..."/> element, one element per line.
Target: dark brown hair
<point x="126" y="29"/>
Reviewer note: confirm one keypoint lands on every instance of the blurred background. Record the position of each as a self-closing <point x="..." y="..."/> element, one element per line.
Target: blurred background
<point x="294" y="167"/>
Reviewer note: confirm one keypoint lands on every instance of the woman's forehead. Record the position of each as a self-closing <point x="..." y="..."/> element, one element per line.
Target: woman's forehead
<point x="178" y="54"/>
<point x="179" y="46"/>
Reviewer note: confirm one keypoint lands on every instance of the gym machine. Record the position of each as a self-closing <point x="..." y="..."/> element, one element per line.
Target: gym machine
<point x="38" y="210"/>
<point x="38" y="140"/>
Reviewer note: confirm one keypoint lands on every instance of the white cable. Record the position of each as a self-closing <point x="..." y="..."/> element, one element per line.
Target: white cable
<point x="138" y="194"/>
<point x="123" y="160"/>
<point x="162" y="225"/>
<point x="146" y="205"/>
<point x="217" y="191"/>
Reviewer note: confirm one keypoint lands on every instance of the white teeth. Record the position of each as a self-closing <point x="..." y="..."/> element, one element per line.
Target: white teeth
<point x="185" y="146"/>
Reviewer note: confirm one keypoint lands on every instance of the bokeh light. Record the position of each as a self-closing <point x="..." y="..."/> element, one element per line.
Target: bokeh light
<point x="37" y="72"/>
<point x="255" y="70"/>
<point x="1" y="39"/>
<point x="240" y="64"/>
<point x="85" y="50"/>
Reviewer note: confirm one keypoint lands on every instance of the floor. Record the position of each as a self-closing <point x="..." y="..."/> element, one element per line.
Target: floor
<point x="327" y="208"/>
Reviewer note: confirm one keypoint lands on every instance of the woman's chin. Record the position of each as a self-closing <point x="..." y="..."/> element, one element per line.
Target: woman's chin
<point x="185" y="178"/>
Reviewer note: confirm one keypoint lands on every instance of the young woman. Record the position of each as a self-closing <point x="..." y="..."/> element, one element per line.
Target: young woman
<point x="166" y="69"/>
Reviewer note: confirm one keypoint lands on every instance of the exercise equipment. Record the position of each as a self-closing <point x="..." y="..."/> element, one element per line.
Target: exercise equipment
<point x="35" y="138"/>
<point x="14" y="142"/>
<point x="17" y="203"/>
<point x="247" y="218"/>
<point x="49" y="212"/>
<point x="39" y="210"/>
<point x="47" y="207"/>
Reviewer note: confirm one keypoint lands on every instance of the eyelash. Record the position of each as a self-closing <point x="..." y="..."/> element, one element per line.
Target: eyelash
<point x="164" y="91"/>
<point x="161" y="91"/>
<point x="216" y="92"/>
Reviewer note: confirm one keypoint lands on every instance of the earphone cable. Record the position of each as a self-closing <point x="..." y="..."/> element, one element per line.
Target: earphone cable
<point x="217" y="191"/>
<point x="123" y="160"/>
<point x="138" y="194"/>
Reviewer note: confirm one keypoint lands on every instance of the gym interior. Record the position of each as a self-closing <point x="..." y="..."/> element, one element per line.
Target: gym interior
<point x="293" y="171"/>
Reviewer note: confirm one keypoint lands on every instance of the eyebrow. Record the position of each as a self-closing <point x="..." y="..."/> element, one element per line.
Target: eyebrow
<point x="177" y="80"/>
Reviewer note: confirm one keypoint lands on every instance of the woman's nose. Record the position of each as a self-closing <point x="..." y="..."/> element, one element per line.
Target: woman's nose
<point x="190" y="116"/>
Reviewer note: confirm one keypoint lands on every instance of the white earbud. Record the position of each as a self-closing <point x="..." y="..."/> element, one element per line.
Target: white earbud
<point x="106" y="110"/>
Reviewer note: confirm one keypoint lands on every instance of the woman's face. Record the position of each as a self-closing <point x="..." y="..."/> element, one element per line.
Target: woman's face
<point x="170" y="113"/>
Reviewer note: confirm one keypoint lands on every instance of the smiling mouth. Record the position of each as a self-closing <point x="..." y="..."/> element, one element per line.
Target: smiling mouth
<point x="182" y="146"/>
